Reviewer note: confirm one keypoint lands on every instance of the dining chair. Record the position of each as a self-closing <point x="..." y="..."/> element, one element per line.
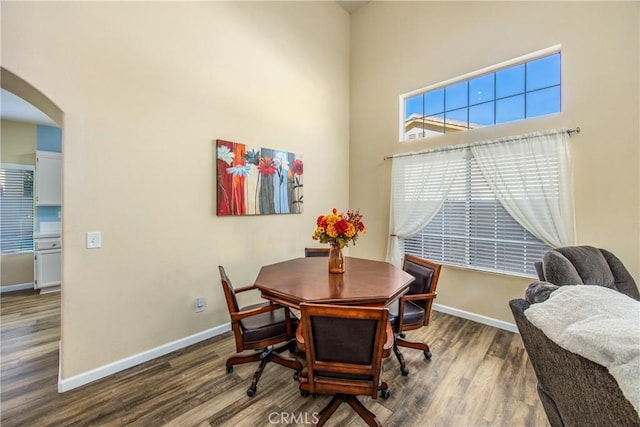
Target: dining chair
<point x="316" y="252"/>
<point x="259" y="327"/>
<point x="344" y="347"/>
<point x="413" y="310"/>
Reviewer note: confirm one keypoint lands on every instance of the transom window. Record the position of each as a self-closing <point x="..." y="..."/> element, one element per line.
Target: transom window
<point x="519" y="89"/>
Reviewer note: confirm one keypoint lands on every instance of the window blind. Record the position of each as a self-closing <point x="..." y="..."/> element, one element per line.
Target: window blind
<point x="16" y="209"/>
<point x="472" y="229"/>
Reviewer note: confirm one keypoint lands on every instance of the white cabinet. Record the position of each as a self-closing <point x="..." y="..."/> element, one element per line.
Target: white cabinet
<point x="48" y="178"/>
<point x="48" y="263"/>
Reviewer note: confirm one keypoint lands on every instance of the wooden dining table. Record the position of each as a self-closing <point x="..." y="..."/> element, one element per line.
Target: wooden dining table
<point x="364" y="282"/>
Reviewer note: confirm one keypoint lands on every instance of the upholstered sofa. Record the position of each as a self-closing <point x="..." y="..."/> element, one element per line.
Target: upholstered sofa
<point x="575" y="391"/>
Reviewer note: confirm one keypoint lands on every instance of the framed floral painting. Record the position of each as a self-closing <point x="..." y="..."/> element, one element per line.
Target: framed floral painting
<point x="256" y="180"/>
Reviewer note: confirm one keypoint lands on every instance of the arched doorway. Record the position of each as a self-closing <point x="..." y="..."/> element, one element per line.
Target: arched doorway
<point x="26" y="91"/>
<point x="28" y="119"/>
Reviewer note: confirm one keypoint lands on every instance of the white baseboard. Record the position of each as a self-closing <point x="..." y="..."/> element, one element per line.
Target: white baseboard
<point x="18" y="287"/>
<point x="511" y="327"/>
<point x="67" y="384"/>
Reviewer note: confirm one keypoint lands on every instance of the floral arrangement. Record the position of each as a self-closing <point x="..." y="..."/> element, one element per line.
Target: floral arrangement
<point x="339" y="229"/>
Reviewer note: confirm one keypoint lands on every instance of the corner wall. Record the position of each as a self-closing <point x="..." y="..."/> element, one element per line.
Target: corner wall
<point x="398" y="47"/>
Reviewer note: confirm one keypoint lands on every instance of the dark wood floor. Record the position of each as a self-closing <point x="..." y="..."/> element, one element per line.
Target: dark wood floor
<point x="478" y="376"/>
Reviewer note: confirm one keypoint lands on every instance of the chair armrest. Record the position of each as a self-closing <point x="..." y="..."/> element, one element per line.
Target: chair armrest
<point x="413" y="297"/>
<point x="252" y="312"/>
<point x="388" y="344"/>
<point x="244" y="289"/>
<point x="300" y="335"/>
<point x="417" y="297"/>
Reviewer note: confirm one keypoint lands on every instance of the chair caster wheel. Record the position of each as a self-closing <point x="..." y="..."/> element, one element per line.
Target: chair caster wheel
<point x="296" y="375"/>
<point x="251" y="392"/>
<point x="229" y="369"/>
<point x="304" y="393"/>
<point x="385" y="394"/>
<point x="427" y="354"/>
<point x="404" y="371"/>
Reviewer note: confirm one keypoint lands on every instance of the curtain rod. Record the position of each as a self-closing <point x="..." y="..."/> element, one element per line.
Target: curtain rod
<point x="458" y="147"/>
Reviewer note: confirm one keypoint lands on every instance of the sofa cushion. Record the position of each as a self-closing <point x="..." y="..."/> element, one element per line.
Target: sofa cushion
<point x="623" y="280"/>
<point x="576" y="265"/>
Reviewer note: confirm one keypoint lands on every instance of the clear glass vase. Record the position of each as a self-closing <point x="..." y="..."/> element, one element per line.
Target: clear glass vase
<point x="336" y="259"/>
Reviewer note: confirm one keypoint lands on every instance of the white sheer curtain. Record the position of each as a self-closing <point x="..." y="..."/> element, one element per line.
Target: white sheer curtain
<point x="531" y="176"/>
<point x="419" y="185"/>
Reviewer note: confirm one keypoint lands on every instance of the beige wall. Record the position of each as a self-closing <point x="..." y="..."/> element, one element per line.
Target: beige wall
<point x="401" y="46"/>
<point x="16" y="269"/>
<point x="17" y="145"/>
<point x="18" y="142"/>
<point x="146" y="88"/>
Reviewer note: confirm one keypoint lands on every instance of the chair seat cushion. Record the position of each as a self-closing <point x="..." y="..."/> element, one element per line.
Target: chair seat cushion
<point x="265" y="326"/>
<point x="413" y="313"/>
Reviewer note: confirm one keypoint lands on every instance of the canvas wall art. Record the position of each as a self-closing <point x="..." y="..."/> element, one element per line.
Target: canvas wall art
<point x="256" y="180"/>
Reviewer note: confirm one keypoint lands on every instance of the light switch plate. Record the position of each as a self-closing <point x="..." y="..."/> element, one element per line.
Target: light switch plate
<point x="94" y="239"/>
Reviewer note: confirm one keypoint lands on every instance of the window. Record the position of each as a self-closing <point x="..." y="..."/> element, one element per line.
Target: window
<point x="519" y="89"/>
<point x="493" y="205"/>
<point x="472" y="229"/>
<point x="16" y="209"/>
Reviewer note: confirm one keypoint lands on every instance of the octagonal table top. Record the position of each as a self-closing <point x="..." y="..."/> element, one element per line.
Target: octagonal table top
<point x="364" y="282"/>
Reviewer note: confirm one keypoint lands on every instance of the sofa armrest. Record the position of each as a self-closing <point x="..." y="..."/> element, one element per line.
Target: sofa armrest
<point x="583" y="392"/>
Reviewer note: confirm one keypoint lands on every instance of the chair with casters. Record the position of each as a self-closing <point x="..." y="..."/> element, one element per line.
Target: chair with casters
<point x="259" y="327"/>
<point x="316" y="252"/>
<point x="413" y="310"/>
<point x="344" y="347"/>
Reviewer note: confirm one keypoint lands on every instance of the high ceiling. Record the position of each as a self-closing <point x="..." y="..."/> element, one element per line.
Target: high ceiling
<point x="352" y="6"/>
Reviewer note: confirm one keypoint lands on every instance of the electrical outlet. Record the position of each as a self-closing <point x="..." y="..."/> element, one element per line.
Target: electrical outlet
<point x="94" y="239"/>
<point x="199" y="304"/>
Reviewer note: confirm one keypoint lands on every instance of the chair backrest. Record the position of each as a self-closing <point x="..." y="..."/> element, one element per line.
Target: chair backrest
<point x="426" y="275"/>
<point x="229" y="293"/>
<point x="574" y="265"/>
<point x="316" y="252"/>
<point x="344" y="347"/>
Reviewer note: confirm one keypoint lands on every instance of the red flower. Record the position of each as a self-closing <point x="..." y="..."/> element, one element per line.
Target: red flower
<point x="341" y="226"/>
<point x="321" y="221"/>
<point x="266" y="166"/>
<point x="296" y="167"/>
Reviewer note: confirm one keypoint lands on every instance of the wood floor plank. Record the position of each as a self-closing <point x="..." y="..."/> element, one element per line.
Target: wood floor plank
<point x="478" y="376"/>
